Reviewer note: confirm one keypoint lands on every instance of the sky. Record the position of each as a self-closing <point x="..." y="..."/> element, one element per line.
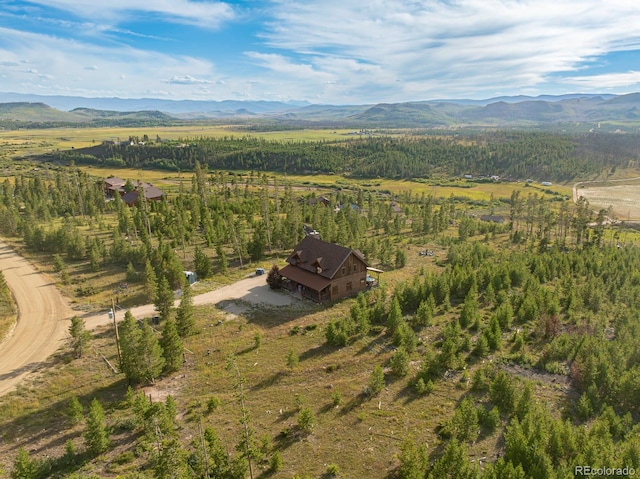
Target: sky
<point x="322" y="51"/>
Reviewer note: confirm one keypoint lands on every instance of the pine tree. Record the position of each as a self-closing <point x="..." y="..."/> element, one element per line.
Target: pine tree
<point x="171" y="461"/>
<point x="163" y="299"/>
<point x="185" y="321"/>
<point x="424" y="314"/>
<point x="395" y="317"/>
<point x="150" y="281"/>
<point x="202" y="263"/>
<point x="400" y="362"/>
<point x="80" y="337"/>
<point x="130" y="339"/>
<point x="24" y="467"/>
<point x="376" y="381"/>
<point x="222" y="259"/>
<point x="172" y="348"/>
<point x="75" y="411"/>
<point x="306" y="420"/>
<point x="414" y="460"/>
<point x="96" y="435"/>
<point x="152" y="359"/>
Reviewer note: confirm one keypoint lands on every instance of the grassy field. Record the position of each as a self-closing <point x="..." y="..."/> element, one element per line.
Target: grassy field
<point x="361" y="435"/>
<point x="36" y="142"/>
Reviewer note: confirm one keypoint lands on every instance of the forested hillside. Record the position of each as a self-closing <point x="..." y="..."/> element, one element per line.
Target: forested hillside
<point x="508" y="353"/>
<point x="517" y="155"/>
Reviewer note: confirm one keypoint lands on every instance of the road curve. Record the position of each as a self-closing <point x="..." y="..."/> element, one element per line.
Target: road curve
<point x="43" y="314"/>
<point x="42" y="324"/>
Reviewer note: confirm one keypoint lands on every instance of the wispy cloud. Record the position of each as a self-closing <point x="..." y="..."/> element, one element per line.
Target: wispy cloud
<point x="457" y="47"/>
<point x="53" y="65"/>
<point x="205" y="13"/>
<point x="185" y="80"/>
<point x="607" y="80"/>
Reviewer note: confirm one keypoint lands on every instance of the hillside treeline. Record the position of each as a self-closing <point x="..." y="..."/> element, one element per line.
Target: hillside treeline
<point x="518" y="155"/>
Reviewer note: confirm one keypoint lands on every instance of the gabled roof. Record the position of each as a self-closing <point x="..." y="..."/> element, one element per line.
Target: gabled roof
<point x="321" y="257"/>
<point x="114" y="181"/>
<point x="152" y="192"/>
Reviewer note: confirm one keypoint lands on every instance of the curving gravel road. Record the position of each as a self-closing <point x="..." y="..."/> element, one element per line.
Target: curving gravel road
<point x="43" y="314"/>
<point x="41" y="327"/>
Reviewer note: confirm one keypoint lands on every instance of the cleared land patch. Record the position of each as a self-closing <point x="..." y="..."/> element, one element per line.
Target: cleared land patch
<point x="624" y="198"/>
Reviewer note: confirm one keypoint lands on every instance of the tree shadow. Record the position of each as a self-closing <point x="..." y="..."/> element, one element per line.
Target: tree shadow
<point x="272" y="316"/>
<point x="318" y="351"/>
<point x="376" y="346"/>
<point x="354" y="403"/>
<point x="269" y="381"/>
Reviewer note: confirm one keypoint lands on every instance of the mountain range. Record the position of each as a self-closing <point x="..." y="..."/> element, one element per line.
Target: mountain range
<point x="588" y="110"/>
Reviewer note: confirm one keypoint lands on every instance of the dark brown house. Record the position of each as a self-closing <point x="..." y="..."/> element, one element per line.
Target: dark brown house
<point x="151" y="193"/>
<point x="323" y="271"/>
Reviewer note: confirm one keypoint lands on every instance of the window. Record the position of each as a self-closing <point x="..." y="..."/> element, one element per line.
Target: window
<point x="355" y="267"/>
<point x="334" y="290"/>
<point x="344" y="271"/>
<point x="349" y="286"/>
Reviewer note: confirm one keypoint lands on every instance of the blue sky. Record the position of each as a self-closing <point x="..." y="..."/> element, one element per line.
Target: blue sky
<point x="322" y="51"/>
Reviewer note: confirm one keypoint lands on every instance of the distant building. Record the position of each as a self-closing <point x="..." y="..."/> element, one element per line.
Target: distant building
<point x="151" y="193"/>
<point x="546" y="183"/>
<point x="492" y="218"/>
<point x="396" y="208"/>
<point x="113" y="184"/>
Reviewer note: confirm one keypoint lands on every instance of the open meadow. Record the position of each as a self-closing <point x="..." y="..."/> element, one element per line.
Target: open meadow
<point x="19" y="143"/>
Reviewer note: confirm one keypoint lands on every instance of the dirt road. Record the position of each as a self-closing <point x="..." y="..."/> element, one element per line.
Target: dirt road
<point x="42" y="320"/>
<point x="43" y="314"/>
<point x="253" y="290"/>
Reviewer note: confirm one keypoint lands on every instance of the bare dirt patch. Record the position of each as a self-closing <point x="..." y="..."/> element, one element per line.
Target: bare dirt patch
<point x="624" y="198"/>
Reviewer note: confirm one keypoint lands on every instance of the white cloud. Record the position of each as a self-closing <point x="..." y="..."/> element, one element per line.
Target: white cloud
<point x="114" y="70"/>
<point x="608" y="80"/>
<point x="432" y="48"/>
<point x="185" y="80"/>
<point x="206" y="13"/>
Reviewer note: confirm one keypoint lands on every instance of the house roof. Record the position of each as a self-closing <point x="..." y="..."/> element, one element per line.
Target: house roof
<point x="310" y="280"/>
<point x="320" y="257"/>
<point x="152" y="192"/>
<point x="130" y="198"/>
<point x="114" y="181"/>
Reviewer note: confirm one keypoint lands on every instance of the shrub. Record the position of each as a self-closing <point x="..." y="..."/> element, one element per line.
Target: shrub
<point x="292" y="359"/>
<point x="276" y="462"/>
<point x="274" y="278"/>
<point x="400" y="362"/>
<point x="306" y="420"/>
<point x="333" y="470"/>
<point x="257" y="339"/>
<point x="213" y="403"/>
<point x="376" y="381"/>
